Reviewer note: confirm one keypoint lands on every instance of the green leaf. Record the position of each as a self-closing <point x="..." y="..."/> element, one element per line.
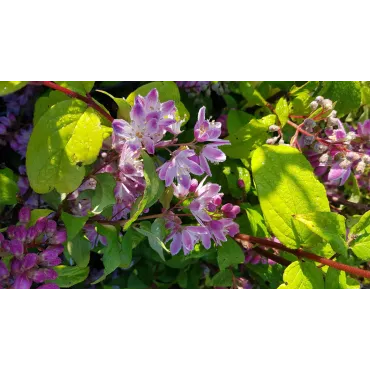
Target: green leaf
<point x="282" y="111"/>
<point x="233" y="173"/>
<point x="236" y="119"/>
<point x="361" y="247"/>
<point x="135" y="283"/>
<point x="166" y="197"/>
<point x="223" y="279"/>
<point x="249" y="137"/>
<point x="124" y="108"/>
<point x="79" y="249"/>
<point x="153" y="190"/>
<point x="103" y="195"/>
<point x="363" y="225"/>
<point x="69" y="276"/>
<point x="73" y="224"/>
<point x="167" y="90"/>
<point x="335" y="279"/>
<point x="38" y="213"/>
<point x="229" y="253"/>
<point x="329" y="226"/>
<point x="66" y="137"/>
<point x="111" y="257"/>
<point x="8" y="187"/>
<point x="256" y="224"/>
<point x="302" y="275"/>
<point x="155" y="234"/>
<point x="130" y="240"/>
<point x="287" y="186"/>
<point x="346" y="94"/>
<point x="251" y="94"/>
<point x="365" y="93"/>
<point x="81" y="87"/>
<point x="8" y="87"/>
<point x="44" y="103"/>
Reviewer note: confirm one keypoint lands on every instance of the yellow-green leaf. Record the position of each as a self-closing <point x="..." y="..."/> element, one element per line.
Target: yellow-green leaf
<point x="8" y="87"/>
<point x="286" y="186"/>
<point x="67" y="136"/>
<point x="302" y="275"/>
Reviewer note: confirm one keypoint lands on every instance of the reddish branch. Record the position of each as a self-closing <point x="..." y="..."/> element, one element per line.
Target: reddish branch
<point x="87" y="99"/>
<point x="303" y="254"/>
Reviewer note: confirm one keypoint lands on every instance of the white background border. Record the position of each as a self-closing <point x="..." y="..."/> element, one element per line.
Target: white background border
<point x="184" y="40"/>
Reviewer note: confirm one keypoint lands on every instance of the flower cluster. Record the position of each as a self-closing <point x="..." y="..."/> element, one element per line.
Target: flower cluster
<point x="202" y="90"/>
<point x="215" y="221"/>
<point x="29" y="253"/>
<point x="12" y="131"/>
<point x="151" y="121"/>
<point x="334" y="149"/>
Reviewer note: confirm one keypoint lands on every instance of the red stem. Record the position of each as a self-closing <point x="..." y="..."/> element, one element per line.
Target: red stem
<point x="301" y="253"/>
<point x="88" y="100"/>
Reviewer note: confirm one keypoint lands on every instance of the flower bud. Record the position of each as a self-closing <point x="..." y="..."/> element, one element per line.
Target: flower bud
<point x="352" y="156"/>
<point x="308" y="140"/>
<point x="351" y="136"/>
<point x="309" y="123"/>
<point x="193" y="185"/>
<point x="6" y="245"/>
<point x="41" y="225"/>
<point x="10" y="231"/>
<point x="345" y="163"/>
<point x="366" y="158"/>
<point x="324" y="158"/>
<point x="274" y="128"/>
<point x="319" y="148"/>
<point x="22" y="282"/>
<point x="40" y="275"/>
<point x="4" y="273"/>
<point x="272" y="140"/>
<point x="57" y="248"/>
<point x="360" y="168"/>
<point x="332" y="121"/>
<point x="333" y="114"/>
<point x="327" y="104"/>
<point x="51" y="228"/>
<point x="319" y="99"/>
<point x="16" y="266"/>
<point x="59" y="237"/>
<point x="241" y="184"/>
<point x="29" y="261"/>
<point x="48" y="286"/>
<point x="314" y="105"/>
<point x="16" y="248"/>
<point x="20" y="233"/>
<point x="32" y="233"/>
<point x="229" y="210"/>
<point x="24" y="215"/>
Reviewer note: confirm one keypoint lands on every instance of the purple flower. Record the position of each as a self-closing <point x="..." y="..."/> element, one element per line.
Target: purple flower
<point x="187" y="238"/>
<point x="16" y="248"/>
<point x="363" y="129"/>
<point x="180" y="166"/>
<point x="51" y="228"/>
<point x="22" y="282"/>
<point x="205" y="130"/>
<point x="229" y="210"/>
<point x="4" y="272"/>
<point x="149" y="122"/>
<point x="59" y="237"/>
<point x="340" y="172"/>
<point x="24" y="215"/>
<point x="29" y="261"/>
<point x="219" y="229"/>
<point x="49" y="258"/>
<point x="48" y="286"/>
<point x="211" y="153"/>
<point x="208" y="199"/>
